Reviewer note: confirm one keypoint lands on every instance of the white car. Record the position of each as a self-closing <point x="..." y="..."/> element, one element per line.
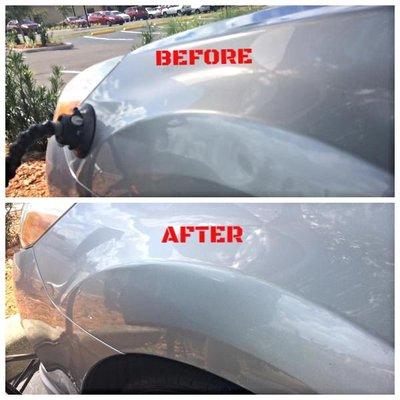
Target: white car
<point x="200" y="9"/>
<point x="176" y="10"/>
<point x="124" y="16"/>
<point x="154" y="12"/>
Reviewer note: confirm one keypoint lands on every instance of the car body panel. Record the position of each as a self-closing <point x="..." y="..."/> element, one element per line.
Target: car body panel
<point x="124" y="16"/>
<point x="136" y="13"/>
<point x="64" y="349"/>
<point x="311" y="116"/>
<point x="104" y="18"/>
<point x="304" y="305"/>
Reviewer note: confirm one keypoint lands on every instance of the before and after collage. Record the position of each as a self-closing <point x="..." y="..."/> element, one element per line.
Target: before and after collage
<point x="199" y="199"/>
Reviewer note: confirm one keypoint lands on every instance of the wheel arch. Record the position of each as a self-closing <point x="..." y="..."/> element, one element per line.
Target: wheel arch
<point x="110" y="375"/>
<point x="162" y="314"/>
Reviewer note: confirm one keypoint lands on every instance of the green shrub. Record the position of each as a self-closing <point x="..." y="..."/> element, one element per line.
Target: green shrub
<point x="27" y="102"/>
<point x="16" y="38"/>
<point x="29" y="42"/>
<point x="176" y="25"/>
<point x="12" y="38"/>
<point x="44" y="38"/>
<point x="147" y="35"/>
<point x="32" y="36"/>
<point x="234" y="11"/>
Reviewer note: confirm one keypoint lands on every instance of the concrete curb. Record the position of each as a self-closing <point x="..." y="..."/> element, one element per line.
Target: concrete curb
<point x="130" y="28"/>
<point x="102" y="31"/>
<point x="65" y="46"/>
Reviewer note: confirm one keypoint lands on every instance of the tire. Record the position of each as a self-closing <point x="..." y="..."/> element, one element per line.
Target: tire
<point x="109" y="23"/>
<point x="197" y="11"/>
<point x="179" y="12"/>
<point x="170" y="379"/>
<point x="145" y="374"/>
<point x="165" y="15"/>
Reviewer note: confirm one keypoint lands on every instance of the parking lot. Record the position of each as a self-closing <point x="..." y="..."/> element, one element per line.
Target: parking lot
<point x="87" y="50"/>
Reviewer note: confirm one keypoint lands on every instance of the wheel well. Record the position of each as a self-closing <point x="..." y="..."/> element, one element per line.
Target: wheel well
<point x="112" y="374"/>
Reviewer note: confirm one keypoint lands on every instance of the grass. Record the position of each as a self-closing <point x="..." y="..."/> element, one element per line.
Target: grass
<point x="147" y="34"/>
<point x="178" y="24"/>
<point x="231" y="12"/>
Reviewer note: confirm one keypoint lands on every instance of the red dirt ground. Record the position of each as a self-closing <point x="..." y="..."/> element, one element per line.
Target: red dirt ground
<point x="30" y="180"/>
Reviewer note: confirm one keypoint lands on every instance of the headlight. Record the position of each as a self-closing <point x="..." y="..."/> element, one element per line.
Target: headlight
<point x="37" y="218"/>
<point x="79" y="88"/>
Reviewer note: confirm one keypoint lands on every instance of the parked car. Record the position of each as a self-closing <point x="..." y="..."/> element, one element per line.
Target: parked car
<point x="296" y="121"/>
<point x="200" y="9"/>
<point x="137" y="13"/>
<point x="154" y="12"/>
<point x="304" y="304"/>
<point x="105" y="18"/>
<point x="124" y="16"/>
<point x="25" y="25"/>
<point x="170" y="11"/>
<point x="175" y="10"/>
<point x="75" y="21"/>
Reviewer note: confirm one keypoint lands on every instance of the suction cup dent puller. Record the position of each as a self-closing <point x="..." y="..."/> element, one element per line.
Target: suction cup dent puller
<point x="75" y="131"/>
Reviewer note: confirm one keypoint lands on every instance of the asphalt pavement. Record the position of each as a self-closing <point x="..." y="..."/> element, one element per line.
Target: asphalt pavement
<point x="87" y="50"/>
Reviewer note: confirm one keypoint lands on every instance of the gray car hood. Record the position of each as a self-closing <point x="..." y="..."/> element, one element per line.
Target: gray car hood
<point x="311" y="116"/>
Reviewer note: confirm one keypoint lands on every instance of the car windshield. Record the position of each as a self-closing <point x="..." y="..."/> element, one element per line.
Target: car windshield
<point x="114" y="12"/>
<point x="72" y="18"/>
<point x="26" y="21"/>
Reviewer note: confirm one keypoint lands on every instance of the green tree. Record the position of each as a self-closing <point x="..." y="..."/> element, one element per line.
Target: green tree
<point x="27" y="102"/>
<point x="40" y="17"/>
<point x="44" y="37"/>
<point x="18" y="12"/>
<point x="65" y="11"/>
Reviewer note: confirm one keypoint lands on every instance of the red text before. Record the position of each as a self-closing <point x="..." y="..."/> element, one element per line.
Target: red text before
<point x="205" y="56"/>
<point x="204" y="234"/>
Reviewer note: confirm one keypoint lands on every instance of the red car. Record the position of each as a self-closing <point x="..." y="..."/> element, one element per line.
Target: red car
<point x="136" y="13"/>
<point x="75" y="21"/>
<point x="105" y="18"/>
<point x="25" y="25"/>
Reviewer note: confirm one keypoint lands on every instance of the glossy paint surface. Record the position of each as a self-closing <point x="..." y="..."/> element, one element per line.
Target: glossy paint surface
<point x="304" y="305"/>
<point x="312" y="116"/>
